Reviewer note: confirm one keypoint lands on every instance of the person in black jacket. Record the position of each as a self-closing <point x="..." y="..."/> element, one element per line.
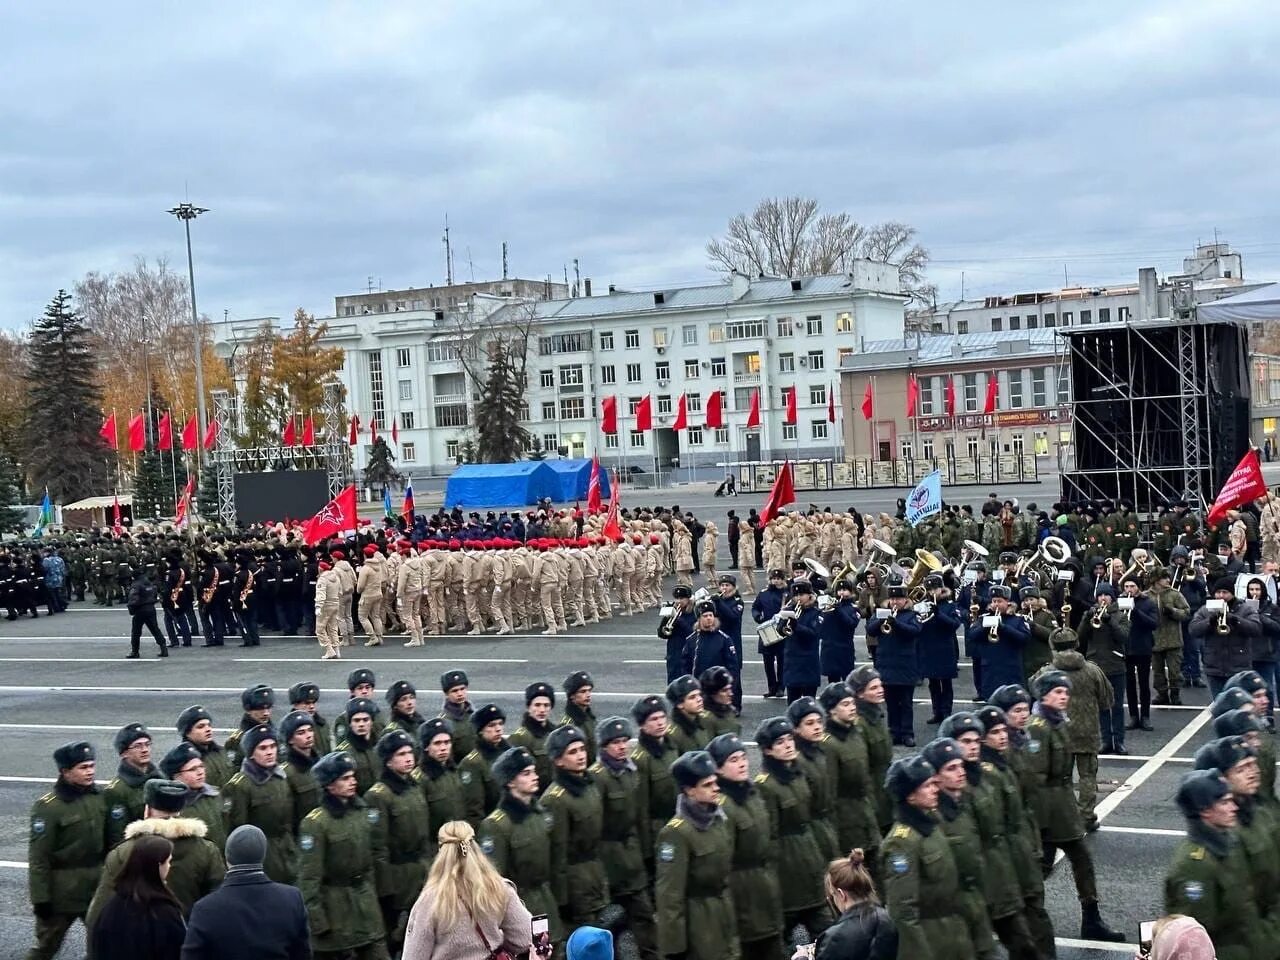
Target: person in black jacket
<point x="709" y="646"/>
<point x="1266" y="645"/>
<point x="1143" y="620"/>
<point x="863" y="929"/>
<point x="142" y="598"/>
<point x="248" y="901"/>
<point x="765" y="606"/>
<point x="142" y="920"/>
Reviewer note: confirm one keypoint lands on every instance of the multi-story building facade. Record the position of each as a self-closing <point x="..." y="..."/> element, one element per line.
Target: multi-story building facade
<point x="737" y="337"/>
<point x="444" y="299"/>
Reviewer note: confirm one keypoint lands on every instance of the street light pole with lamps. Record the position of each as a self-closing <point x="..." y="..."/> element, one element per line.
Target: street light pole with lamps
<point x="186" y="212"/>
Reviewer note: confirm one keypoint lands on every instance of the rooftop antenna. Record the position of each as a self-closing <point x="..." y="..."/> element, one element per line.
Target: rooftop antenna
<point x="448" y="254"/>
<point x="504" y="259"/>
<point x="577" y="277"/>
<point x="471" y="266"/>
<point x="369" y="284"/>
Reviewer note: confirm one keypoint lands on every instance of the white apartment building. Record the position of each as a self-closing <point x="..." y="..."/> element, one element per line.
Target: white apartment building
<point x="1215" y="271"/>
<point x="735" y="336"/>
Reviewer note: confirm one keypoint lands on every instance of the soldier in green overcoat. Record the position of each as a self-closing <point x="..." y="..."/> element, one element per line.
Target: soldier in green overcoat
<point x="479" y="791"/>
<point x="1251" y="682"/>
<point x="575" y="804"/>
<point x="517" y="837"/>
<point x="578" y="687"/>
<point x="195" y="726"/>
<point x="849" y="767"/>
<point x="259" y="794"/>
<point x="123" y="795"/>
<point x="401" y="830"/>
<point x="437" y="777"/>
<point x="788" y="799"/>
<point x="655" y="789"/>
<point x="873" y="727"/>
<point x="457" y="710"/>
<point x="298" y="732"/>
<point x="340" y="850"/>
<point x="1209" y="877"/>
<point x="811" y="759"/>
<point x="539" y="700"/>
<point x="617" y="779"/>
<point x="696" y="915"/>
<point x="691" y="725"/>
<point x="717" y="691"/>
<point x="360" y="739"/>
<point x="257" y="702"/>
<point x="757" y="899"/>
<point x="304" y="697"/>
<point x="203" y="801"/>
<point x="67" y="841"/>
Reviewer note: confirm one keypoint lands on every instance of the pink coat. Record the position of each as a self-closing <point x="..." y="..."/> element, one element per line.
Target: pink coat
<point x="424" y="942"/>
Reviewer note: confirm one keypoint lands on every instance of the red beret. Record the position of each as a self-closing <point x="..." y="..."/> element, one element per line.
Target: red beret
<point x="370" y="549"/>
<point x="337" y="554"/>
<point x="325" y="566"/>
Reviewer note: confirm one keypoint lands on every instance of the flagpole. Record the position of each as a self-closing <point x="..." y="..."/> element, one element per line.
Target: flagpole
<point x="173" y="468"/>
<point x="874" y="429"/>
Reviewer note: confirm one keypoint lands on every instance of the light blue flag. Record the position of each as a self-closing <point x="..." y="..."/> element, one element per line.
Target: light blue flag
<point x="386" y="502"/>
<point x="46" y="512"/>
<point x="926" y="499"/>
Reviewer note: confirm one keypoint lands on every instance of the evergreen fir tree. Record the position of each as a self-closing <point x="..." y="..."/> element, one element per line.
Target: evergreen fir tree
<point x="501" y="438"/>
<point x="12" y="520"/>
<point x="535" y="451"/>
<point x="381" y="471"/>
<point x="152" y="496"/>
<point x="64" y="408"/>
<point x="207" y="493"/>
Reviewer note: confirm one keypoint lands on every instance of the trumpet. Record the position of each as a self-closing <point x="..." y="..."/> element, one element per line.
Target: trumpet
<point x="667" y="625"/>
<point x="1223" y="627"/>
<point x="826" y="601"/>
<point x="1099" y="614"/>
<point x="993" y="634"/>
<point x="784" y="625"/>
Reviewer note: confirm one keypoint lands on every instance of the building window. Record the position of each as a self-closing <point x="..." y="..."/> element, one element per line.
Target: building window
<point x="402" y="356"/>
<point x="689" y="334"/>
<point x="962" y="326"/>
<point x="632" y="403"/>
<point x="970" y="392"/>
<point x="744" y="330"/>
<point x="715" y="333"/>
<point x="997" y="324"/>
<point x="550" y="442"/>
<point x="406" y="419"/>
<point x="660" y="336"/>
<point x="1122" y="314"/>
<point x="926" y="396"/>
<point x="664" y="403"/>
<point x="1032" y="322"/>
<point x="817" y="360"/>
<point x="633" y="373"/>
<point x="546" y="379"/>
<point x="1015" y="323"/>
<point x="608" y="374"/>
<point x="662" y="370"/>
<point x="452" y="449"/>
<point x="1015" y="390"/>
<point x="786" y="363"/>
<point x="742" y="397"/>
<point x="611" y="441"/>
<point x="904" y="448"/>
<point x="1050" y="320"/>
<point x="1066" y="318"/>
<point x="408" y="452"/>
<point x="844" y="322"/>
<point x="1086" y="316"/>
<point x="571" y="377"/>
<point x="695" y="436"/>
<point x="632" y="339"/>
<point x="1037" y="386"/>
<point x="573" y="408"/>
<point x="785" y="327"/>
<point x="606" y="340"/>
<point x="717" y="366"/>
<point x="817" y="394"/>
<point x="926" y="448"/>
<point x="405" y="388"/>
<point x="1062" y="380"/>
<point x="813" y="326"/>
<point x="693" y="402"/>
<point x="548" y="409"/>
<point x="637" y="439"/>
<point x="722" y="435"/>
<point x="971" y="447"/>
<point x="524" y="416"/>
<point x="375" y="388"/>
<point x="818" y="429"/>
<point x="841" y="353"/>
<point x="1015" y="441"/>
<point x="788" y="431"/>
<point x="691" y="371"/>
<point x="451" y="415"/>
<point x="1104" y="314"/>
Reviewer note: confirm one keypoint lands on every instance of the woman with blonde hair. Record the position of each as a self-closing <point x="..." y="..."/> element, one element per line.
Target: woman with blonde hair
<point x="466" y="910"/>
<point x="863" y="930"/>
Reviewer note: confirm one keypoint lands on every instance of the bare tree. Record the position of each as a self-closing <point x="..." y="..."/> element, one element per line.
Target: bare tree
<point x="494" y="352"/>
<point x="788" y="237"/>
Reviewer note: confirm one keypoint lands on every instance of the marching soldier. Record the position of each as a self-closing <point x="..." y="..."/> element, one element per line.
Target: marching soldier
<point x="577" y="709"/>
<point x="341" y="850"/>
<point x="297" y="730"/>
<point x="696" y="917"/>
<point x="257" y="702"/>
<point x="575" y="803"/>
<point x="868" y="693"/>
<point x="811" y="759"/>
<point x="409" y="591"/>
<point x="66" y="846"/>
<point x="347" y="584"/>
<point x="438" y="778"/>
<point x="457" y="710"/>
<point x="203" y="800"/>
<point x="259" y="794"/>
<point x="653" y="756"/>
<point x="540" y="699"/>
<point x="402" y="697"/>
<point x="850" y="768"/>
<point x="195" y="725"/>
<point x="719" y="689"/>
<point x="400" y="829"/>
<point x="304" y="697"/>
<point x="480" y="791"/>
<point x="328" y="610"/>
<point x="361" y="684"/>
<point x="369" y="586"/>
<point x="690" y="725"/>
<point x="359" y="741"/>
<point x="123" y="797"/>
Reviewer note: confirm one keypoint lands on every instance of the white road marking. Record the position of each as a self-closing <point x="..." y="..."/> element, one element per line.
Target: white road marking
<point x="1094" y="945"/>
<point x="1145" y="831"/>
<point x="379" y="660"/>
<point x="1158" y="759"/>
<point x="13" y="864"/>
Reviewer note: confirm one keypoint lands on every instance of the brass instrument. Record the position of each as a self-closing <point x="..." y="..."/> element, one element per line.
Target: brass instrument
<point x="928" y="614"/>
<point x="926" y="563"/>
<point x="1052" y="553"/>
<point x="1179" y="573"/>
<point x="972" y="552"/>
<point x="1065" y="609"/>
<point x="178" y="588"/>
<point x="993" y="634"/>
<point x="206" y="595"/>
<point x="843" y="572"/>
<point x="1098" y="615"/>
<point x="248" y="588"/>
<point x="814" y="566"/>
<point x="1140" y="564"/>
<point x="784" y="625"/>
<point x="1223" y="627"/>
<point x="826" y="601"/>
<point x="667" y="625"/>
<point x="878" y="560"/>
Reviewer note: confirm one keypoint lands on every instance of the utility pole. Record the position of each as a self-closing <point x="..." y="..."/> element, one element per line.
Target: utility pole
<point x="448" y="254"/>
<point x="187" y="212"/>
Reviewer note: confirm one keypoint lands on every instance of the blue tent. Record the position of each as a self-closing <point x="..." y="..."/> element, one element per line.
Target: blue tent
<point x="573" y="476"/>
<point x="474" y="486"/>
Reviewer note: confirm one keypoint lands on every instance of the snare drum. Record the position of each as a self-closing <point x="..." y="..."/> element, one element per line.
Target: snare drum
<point x="768" y="634"/>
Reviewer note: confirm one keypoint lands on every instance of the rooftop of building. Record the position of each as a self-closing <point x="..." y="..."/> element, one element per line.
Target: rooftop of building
<point x="966" y="347"/>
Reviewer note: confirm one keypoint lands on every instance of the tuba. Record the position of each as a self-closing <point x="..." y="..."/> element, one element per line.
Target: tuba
<point x="1052" y="553"/>
<point x="878" y="560"/>
<point x="926" y="563"/>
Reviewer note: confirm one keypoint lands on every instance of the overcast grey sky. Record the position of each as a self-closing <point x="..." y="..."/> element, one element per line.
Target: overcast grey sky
<point x="331" y="139"/>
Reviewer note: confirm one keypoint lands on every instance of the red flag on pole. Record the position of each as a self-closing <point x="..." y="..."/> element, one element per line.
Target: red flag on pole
<point x="681" y="421"/>
<point x="783" y="492"/>
<point x="137" y="434"/>
<point x="1244" y="484"/>
<point x="593" y="487"/>
<point x="395" y="434"/>
<point x="993" y="387"/>
<point x="715" y="409"/>
<point x="183" y="510"/>
<point x="644" y="414"/>
<point x="609" y="414"/>
<point x="789" y="398"/>
<point x="108" y="432"/>
<point x="191" y="435"/>
<point x="612" y="528"/>
<point x="290" y="436"/>
<point x="117" y="526"/>
<point x="951" y="396"/>
<point x="831" y="403"/>
<point x="753" y="415"/>
<point x="354" y="436"/>
<point x="373" y="428"/>
<point x="211" y="435"/>
<point x="308" y="432"/>
<point x="164" y="432"/>
<point x="868" y="402"/>
<point x="913" y="395"/>
<point x="334" y="517"/>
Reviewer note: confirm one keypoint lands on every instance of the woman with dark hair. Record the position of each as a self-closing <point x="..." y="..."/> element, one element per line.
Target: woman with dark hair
<point x="142" y="920"/>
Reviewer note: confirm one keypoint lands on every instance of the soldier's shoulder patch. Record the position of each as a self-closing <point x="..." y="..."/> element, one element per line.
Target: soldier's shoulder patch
<point x="1197" y="853"/>
<point x="1193" y="890"/>
<point x="473" y="755"/>
<point x="464" y="775"/>
<point x="118" y="812"/>
<point x="313" y="815"/>
<point x="721" y="799"/>
<point x="899" y="863"/>
<point x="48" y="798"/>
<point x="671" y="728"/>
<point x="825" y="738"/>
<point x="555" y="790"/>
<point x="378" y="789"/>
<point x="38" y="826"/>
<point x="901" y="832"/>
<point x="487" y="845"/>
<point x="237" y="778"/>
<point x="988" y="766"/>
<point x="666" y="852"/>
<point x="227" y="803"/>
<point x="1036" y="721"/>
<point x="372" y="815"/>
<point x="1033" y="746"/>
<point x="306" y="842"/>
<point x="676" y="822"/>
<point x="497" y="816"/>
<point x="637" y="753"/>
<point x="597" y="767"/>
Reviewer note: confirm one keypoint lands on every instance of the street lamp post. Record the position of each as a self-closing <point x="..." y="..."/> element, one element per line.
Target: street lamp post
<point x="187" y="212"/>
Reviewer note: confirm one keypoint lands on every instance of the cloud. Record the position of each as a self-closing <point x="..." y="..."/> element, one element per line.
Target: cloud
<point x="330" y="140"/>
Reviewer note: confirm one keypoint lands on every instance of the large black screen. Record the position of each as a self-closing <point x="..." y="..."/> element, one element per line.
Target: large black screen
<point x="282" y="495"/>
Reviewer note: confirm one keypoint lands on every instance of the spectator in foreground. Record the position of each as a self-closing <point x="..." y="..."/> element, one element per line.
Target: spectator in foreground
<point x="248" y="901"/>
<point x="863" y="930"/>
<point x="142" y="920"/>
<point x="1178" y="937"/>
<point x="466" y="911"/>
<point x="590" y="943"/>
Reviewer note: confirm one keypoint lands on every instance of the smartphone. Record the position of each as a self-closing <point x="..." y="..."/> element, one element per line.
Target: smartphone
<point x="1145" y="931"/>
<point x="540" y="934"/>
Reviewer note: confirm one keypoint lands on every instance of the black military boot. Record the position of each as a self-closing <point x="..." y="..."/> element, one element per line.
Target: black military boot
<point x="1092" y="927"/>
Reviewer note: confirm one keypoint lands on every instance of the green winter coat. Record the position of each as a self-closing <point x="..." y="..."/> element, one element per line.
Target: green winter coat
<point x="1000" y="883"/>
<point x="686" y="733"/>
<point x="584" y="719"/>
<point x="123" y="799"/>
<point x="850" y="772"/>
<point x="340" y="851"/>
<point x="368" y="764"/>
<point x="787" y="797"/>
<point x="269" y="807"/>
<point x="207" y="808"/>
<point x="959" y="823"/>
<point x="1174" y="609"/>
<point x="694" y="905"/>
<point x="1021" y="832"/>
<point x="874" y="729"/>
<point x="757" y="899"/>
<point x="577" y="877"/>
<point x="302" y="785"/>
<point x="1105" y="645"/>
<point x="464" y="731"/>
<point x="480" y="791"/>
<point x="1091" y="693"/>
<point x="620" y="830"/>
<point x="442" y="789"/>
<point x="812" y="761"/>
<point x="533" y="737"/>
<point x="720" y="720"/>
<point x="655" y="789"/>
<point x="400" y="830"/>
<point x="1049" y="764"/>
<point x="1036" y="653"/>
<point x="922" y="890"/>
<point x="1259" y="834"/>
<point x="517" y="839"/>
<point x="68" y="840"/>
<point x="217" y="765"/>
